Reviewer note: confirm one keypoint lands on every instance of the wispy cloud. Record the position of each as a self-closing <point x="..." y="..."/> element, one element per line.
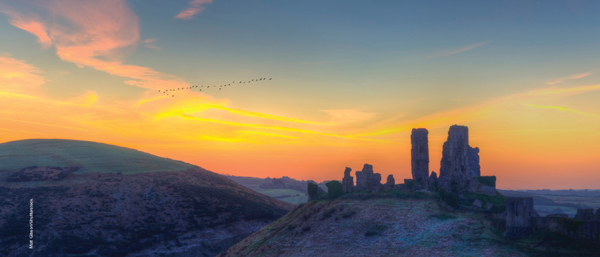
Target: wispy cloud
<point x="348" y="116"/>
<point x="575" y="76"/>
<point x="150" y="43"/>
<point x="32" y="24"/>
<point x="96" y="34"/>
<point x="195" y="6"/>
<point x="86" y="99"/>
<point x="564" y="91"/>
<point x="16" y="76"/>
<point x="482" y="110"/>
<point x="442" y="54"/>
<point x="565" y="109"/>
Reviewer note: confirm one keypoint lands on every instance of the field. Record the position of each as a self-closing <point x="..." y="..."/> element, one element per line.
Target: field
<point x="559" y="201"/>
<point x="284" y="194"/>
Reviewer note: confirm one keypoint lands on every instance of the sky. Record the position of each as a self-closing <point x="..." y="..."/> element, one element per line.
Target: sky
<point x="346" y="81"/>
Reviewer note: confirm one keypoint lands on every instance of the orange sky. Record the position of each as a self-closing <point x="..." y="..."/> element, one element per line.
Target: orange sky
<point x="78" y="82"/>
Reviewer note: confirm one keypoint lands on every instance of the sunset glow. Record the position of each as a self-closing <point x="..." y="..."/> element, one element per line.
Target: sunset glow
<point x="349" y="82"/>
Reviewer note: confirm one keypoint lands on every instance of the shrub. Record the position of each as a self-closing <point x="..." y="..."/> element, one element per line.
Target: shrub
<point x="313" y="191"/>
<point x="334" y="189"/>
<point x="449" y="198"/>
<point x="487" y="180"/>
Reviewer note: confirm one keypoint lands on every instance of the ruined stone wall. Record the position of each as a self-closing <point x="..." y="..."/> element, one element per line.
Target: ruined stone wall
<point x="419" y="153"/>
<point x="347" y="181"/>
<point x="367" y="177"/>
<point x="519" y="211"/>
<point x="359" y="179"/>
<point x="460" y="162"/>
<point x="589" y="230"/>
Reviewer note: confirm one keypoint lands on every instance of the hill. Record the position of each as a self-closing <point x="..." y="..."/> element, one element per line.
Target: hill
<point x="91" y="199"/>
<point x="391" y="224"/>
<point x="89" y="156"/>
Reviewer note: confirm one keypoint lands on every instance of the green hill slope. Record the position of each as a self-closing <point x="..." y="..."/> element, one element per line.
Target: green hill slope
<point x="124" y="203"/>
<point x="89" y="156"/>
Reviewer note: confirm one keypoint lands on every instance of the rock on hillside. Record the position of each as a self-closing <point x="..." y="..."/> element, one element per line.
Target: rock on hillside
<point x="375" y="227"/>
<point x="191" y="212"/>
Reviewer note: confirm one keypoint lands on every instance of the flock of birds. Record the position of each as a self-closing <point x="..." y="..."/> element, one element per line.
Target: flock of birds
<point x="172" y="91"/>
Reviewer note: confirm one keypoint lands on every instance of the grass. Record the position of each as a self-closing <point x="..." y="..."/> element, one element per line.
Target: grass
<point x="443" y="216"/>
<point x="89" y="156"/>
<point x="498" y="201"/>
<point x="375" y="230"/>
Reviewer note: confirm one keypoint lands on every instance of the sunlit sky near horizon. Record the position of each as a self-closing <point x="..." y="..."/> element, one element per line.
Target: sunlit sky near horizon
<point x="350" y="81"/>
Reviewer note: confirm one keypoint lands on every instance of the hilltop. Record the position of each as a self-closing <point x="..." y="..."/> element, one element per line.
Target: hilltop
<point x="97" y="199"/>
<point x="88" y="156"/>
<point x="394" y="223"/>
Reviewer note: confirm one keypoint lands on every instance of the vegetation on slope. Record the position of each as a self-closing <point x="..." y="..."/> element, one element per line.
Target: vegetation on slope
<point x="88" y="156"/>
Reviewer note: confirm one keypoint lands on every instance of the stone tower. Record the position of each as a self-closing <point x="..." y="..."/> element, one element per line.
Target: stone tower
<point x="419" y="153"/>
<point x="459" y="160"/>
<point x="347" y="181"/>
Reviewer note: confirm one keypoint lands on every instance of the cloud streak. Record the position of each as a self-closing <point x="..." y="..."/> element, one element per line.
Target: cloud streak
<point x="16" y="76"/>
<point x="464" y="49"/>
<point x="195" y="7"/>
<point x="575" y="76"/>
<point x="565" y="109"/>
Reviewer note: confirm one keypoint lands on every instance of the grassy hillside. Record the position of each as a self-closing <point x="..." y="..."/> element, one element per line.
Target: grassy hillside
<point x="89" y="156"/>
<point x="394" y="224"/>
<point x="123" y="203"/>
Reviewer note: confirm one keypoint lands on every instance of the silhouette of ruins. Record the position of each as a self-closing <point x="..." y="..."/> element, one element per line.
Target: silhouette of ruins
<point x="460" y="174"/>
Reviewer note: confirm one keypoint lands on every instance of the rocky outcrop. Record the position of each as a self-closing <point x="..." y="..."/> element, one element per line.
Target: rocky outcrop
<point x="459" y="161"/>
<point x="419" y="154"/>
<point x="585" y="214"/>
<point x="347" y="181"/>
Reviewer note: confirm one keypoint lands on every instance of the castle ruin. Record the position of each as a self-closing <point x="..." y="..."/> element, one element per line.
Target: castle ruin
<point x="420" y="155"/>
<point x="460" y="173"/>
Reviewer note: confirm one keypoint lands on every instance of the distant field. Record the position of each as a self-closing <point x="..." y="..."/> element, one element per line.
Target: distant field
<point x="592" y="202"/>
<point x="281" y="192"/>
<point x="254" y="184"/>
<point x="89" y="156"/>
<point x="544" y="210"/>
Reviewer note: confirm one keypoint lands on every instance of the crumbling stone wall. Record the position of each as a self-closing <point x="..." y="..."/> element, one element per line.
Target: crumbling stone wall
<point x="519" y="211"/>
<point x="347" y="181"/>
